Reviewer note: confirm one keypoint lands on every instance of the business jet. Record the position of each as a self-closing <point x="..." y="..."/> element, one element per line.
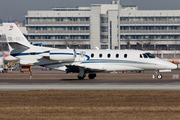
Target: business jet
<point x="82" y="61"/>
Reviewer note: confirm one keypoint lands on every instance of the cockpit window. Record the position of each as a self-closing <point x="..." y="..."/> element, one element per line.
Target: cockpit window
<point x="145" y="56"/>
<point x="150" y="55"/>
<point x="140" y="56"/>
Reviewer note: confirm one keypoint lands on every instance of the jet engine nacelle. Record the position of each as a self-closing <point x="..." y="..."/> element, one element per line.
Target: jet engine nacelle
<point x="65" y="55"/>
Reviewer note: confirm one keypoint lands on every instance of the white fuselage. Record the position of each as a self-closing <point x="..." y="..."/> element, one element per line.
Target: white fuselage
<point x="80" y="60"/>
<point x="107" y="60"/>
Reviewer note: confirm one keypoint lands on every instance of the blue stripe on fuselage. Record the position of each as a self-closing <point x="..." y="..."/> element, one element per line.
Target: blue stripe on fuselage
<point x="61" y="54"/>
<point x="88" y="58"/>
<point x="112" y="61"/>
<point x="23" y="54"/>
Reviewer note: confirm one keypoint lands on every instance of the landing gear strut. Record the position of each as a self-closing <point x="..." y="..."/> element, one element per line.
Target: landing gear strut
<point x="159" y="76"/>
<point x="92" y="76"/>
<point x="81" y="74"/>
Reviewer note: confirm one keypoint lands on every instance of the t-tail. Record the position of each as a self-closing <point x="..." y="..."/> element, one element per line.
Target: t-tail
<point x="15" y="38"/>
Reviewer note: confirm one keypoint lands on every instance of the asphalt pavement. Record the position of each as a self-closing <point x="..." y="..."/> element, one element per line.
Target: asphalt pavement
<point x="55" y="80"/>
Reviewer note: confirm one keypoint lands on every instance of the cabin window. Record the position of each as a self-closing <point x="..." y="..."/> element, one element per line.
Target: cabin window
<point x="117" y="55"/>
<point x="109" y="55"/>
<point x="140" y="56"/>
<point x="92" y="55"/>
<point x="125" y="55"/>
<point x="100" y="55"/>
<point x="145" y="56"/>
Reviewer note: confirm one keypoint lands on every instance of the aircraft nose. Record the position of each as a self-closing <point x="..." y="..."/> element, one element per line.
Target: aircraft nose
<point x="172" y="66"/>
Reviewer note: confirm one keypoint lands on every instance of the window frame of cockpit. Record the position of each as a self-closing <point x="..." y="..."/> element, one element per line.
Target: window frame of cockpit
<point x="145" y="56"/>
<point x="140" y="56"/>
<point x="150" y="55"/>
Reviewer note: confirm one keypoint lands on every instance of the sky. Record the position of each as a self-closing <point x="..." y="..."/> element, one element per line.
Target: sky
<point x="17" y="9"/>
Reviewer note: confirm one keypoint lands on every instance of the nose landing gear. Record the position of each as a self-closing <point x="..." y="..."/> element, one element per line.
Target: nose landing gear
<point x="159" y="76"/>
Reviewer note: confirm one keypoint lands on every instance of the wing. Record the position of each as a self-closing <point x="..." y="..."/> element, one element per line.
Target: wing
<point x="88" y="68"/>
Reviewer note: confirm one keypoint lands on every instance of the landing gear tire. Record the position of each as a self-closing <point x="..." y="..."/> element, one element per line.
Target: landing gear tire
<point x="159" y="76"/>
<point x="80" y="78"/>
<point x="92" y="76"/>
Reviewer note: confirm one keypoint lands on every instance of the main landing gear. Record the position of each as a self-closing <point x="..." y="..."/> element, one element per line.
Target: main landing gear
<point x="90" y="76"/>
<point x="82" y="74"/>
<point x="159" y="76"/>
<point x="81" y="77"/>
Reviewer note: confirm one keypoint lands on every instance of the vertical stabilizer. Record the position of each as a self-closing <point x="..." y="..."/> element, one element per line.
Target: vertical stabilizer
<point x="15" y="38"/>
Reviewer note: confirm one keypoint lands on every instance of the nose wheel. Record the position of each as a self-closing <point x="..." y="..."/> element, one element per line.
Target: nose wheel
<point x="159" y="76"/>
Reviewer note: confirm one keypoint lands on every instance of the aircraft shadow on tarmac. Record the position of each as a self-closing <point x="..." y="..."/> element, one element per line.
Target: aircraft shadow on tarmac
<point x="74" y="80"/>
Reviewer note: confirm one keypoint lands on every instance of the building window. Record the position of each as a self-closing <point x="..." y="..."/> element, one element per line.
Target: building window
<point x="175" y="18"/>
<point x="104" y="36"/>
<point x="104" y="46"/>
<point x="104" y="28"/>
<point x="104" y="19"/>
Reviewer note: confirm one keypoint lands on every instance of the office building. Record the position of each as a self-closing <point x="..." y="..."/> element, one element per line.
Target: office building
<point x="97" y="26"/>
